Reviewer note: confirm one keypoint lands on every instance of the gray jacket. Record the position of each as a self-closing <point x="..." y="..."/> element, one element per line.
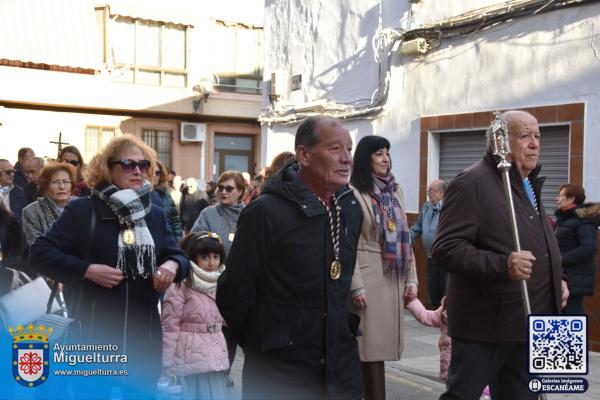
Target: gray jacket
<point x="221" y="220"/>
<point x="38" y="217"/>
<point x="426" y="226"/>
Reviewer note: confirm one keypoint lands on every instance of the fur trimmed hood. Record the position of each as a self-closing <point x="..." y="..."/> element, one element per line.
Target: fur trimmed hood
<point x="588" y="210"/>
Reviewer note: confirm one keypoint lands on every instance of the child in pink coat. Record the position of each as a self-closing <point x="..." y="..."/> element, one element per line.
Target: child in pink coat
<point x="194" y="347"/>
<point x="439" y="319"/>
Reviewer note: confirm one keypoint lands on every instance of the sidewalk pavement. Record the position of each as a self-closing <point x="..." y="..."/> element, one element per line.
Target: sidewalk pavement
<point x="415" y="377"/>
<point x="421" y="360"/>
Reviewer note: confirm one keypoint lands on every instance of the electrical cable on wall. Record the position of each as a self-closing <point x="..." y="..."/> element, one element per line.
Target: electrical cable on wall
<point x="426" y="38"/>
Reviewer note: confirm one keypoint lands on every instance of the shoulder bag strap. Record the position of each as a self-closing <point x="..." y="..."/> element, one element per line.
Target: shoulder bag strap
<point x="88" y="254"/>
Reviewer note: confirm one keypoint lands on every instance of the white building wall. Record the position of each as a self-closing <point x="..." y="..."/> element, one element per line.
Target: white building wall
<point x="36" y="129"/>
<point x="43" y="88"/>
<point x="547" y="59"/>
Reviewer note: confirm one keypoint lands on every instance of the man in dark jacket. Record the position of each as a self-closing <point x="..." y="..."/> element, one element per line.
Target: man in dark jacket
<point x="425" y="227"/>
<point x="284" y="293"/>
<point x="14" y="196"/>
<point x="474" y="243"/>
<point x="23" y="157"/>
<point x="192" y="202"/>
<point x="33" y="168"/>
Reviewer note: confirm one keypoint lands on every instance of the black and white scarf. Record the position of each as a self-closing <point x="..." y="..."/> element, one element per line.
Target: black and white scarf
<point x="131" y="207"/>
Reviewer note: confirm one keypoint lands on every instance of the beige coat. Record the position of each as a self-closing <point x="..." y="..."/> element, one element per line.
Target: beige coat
<point x="382" y="322"/>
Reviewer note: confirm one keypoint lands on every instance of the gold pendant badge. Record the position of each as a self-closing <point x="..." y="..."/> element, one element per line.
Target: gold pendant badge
<point x="335" y="271"/>
<point x="391" y="225"/>
<point x="129" y="236"/>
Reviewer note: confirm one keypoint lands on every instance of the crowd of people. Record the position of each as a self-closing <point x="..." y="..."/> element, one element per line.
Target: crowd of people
<point x="308" y="267"/>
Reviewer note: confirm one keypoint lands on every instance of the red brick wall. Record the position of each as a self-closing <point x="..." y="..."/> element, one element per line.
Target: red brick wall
<point x="571" y="114"/>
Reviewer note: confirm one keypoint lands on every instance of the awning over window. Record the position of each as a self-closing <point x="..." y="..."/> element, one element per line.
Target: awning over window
<point x="55" y="33"/>
<point x="182" y="12"/>
<point x="247" y="12"/>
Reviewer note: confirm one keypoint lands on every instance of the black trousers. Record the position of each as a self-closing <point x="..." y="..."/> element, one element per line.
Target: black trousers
<point x="231" y="346"/>
<point x="574" y="306"/>
<point x="437" y="279"/>
<point x="502" y="366"/>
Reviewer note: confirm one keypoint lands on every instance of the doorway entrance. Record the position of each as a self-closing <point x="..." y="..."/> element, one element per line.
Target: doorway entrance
<point x="233" y="152"/>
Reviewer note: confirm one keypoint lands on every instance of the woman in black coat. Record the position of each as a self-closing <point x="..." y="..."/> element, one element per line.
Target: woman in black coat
<point x="115" y="253"/>
<point x="162" y="198"/>
<point x="576" y="227"/>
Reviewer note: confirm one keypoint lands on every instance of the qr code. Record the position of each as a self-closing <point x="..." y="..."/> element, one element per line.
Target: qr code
<point x="558" y="344"/>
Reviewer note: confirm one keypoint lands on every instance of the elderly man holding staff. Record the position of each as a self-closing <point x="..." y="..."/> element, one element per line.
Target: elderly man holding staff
<point x="474" y="243"/>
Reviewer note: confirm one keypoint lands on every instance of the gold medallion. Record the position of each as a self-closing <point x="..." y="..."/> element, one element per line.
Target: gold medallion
<point x="231" y="236"/>
<point x="129" y="236"/>
<point x="335" y="271"/>
<point x="391" y="225"/>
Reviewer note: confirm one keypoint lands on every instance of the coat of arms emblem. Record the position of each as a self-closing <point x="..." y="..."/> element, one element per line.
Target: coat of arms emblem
<point x="30" y="354"/>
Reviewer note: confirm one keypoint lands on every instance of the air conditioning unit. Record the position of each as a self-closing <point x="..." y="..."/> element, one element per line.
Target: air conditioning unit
<point x="193" y="132"/>
<point x="279" y="83"/>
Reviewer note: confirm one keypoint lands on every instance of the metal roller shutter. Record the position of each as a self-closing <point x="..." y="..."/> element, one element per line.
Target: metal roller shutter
<point x="554" y="159"/>
<point x="458" y="150"/>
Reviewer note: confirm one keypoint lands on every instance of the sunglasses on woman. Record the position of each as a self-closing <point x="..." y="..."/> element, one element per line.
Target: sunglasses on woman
<point x="74" y="163"/>
<point x="227" y="189"/>
<point x="130" y="165"/>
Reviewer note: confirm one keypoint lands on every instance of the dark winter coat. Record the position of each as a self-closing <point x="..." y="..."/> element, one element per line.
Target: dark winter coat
<point x="291" y="318"/>
<point x="82" y="189"/>
<point x="18" y="201"/>
<point x="21" y="178"/>
<point x="190" y="207"/>
<point x="473" y="242"/>
<point x="12" y="243"/>
<point x="126" y="315"/>
<point x="576" y="234"/>
<point x="162" y="198"/>
<point x="31" y="191"/>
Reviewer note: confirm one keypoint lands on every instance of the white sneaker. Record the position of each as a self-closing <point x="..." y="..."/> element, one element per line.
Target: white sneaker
<point x="162" y="384"/>
<point x="174" y="388"/>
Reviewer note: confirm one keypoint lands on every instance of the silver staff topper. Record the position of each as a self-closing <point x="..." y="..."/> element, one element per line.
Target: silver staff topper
<point x="501" y="140"/>
<point x="500" y="133"/>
